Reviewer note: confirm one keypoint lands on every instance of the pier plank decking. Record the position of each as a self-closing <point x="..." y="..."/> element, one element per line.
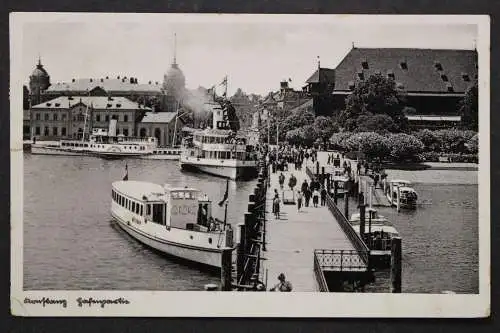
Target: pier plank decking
<point x="292" y="239"/>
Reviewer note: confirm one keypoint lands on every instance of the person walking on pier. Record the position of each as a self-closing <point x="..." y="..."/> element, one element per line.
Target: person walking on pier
<point x="283" y="285"/>
<point x="299" y="200"/>
<point x="315" y="196"/>
<point x="281" y="180"/>
<point x="323" y="196"/>
<point x="276" y="205"/>
<point x="307" y="195"/>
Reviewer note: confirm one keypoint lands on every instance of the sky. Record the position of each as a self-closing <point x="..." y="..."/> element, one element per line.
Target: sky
<point x="256" y="52"/>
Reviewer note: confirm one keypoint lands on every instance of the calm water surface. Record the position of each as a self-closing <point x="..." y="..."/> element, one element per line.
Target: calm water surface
<point x="440" y="238"/>
<point x="70" y="241"/>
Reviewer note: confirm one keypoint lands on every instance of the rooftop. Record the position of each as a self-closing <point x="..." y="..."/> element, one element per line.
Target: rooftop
<point x="322" y="75"/>
<point x="96" y="102"/>
<point x="108" y="84"/>
<point x="158" y="117"/>
<point x="414" y="70"/>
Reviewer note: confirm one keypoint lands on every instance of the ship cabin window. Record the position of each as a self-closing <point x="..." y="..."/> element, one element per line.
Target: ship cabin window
<point x="133" y="206"/>
<point x="148" y="209"/>
<point x="158" y="215"/>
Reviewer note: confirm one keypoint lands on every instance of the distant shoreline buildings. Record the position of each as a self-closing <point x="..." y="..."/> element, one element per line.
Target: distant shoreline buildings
<point x="57" y="111"/>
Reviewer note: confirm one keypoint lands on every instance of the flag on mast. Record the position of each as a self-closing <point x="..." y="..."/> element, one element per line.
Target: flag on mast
<point x="224" y="81"/>
<point x="225" y="194"/>
<point x="126" y="172"/>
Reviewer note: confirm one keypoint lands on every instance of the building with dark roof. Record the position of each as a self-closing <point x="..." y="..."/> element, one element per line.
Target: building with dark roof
<point x="434" y="81"/>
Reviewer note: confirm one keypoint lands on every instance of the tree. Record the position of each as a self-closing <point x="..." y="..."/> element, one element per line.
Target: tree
<point x="469" y="108"/>
<point x="378" y="123"/>
<point x="376" y="95"/>
<point x="404" y="146"/>
<point x="324" y="127"/>
<point x="429" y="139"/>
<point x="371" y="144"/>
<point x="338" y="140"/>
<point x="297" y="119"/>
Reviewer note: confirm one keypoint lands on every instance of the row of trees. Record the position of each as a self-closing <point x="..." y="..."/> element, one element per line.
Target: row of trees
<point x="401" y="146"/>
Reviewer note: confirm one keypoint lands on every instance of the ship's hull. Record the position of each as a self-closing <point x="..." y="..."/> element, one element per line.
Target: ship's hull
<point x="210" y="258"/>
<point x="46" y="150"/>
<point x="232" y="169"/>
<point x="50" y="150"/>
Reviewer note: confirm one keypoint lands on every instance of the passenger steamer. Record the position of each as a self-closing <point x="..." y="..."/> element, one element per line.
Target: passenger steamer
<point x="173" y="220"/>
<point x="102" y="143"/>
<point x="220" y="150"/>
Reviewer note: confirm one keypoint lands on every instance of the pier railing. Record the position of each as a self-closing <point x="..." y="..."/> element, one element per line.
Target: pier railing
<point x="360" y="246"/>
<point x="339" y="260"/>
<point x="320" y="276"/>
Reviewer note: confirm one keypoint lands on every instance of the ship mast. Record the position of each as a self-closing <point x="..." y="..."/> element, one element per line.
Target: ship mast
<point x="85" y="121"/>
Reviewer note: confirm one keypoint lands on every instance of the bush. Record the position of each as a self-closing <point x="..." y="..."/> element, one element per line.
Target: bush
<point x="371" y="144"/>
<point x="404" y="146"/>
<point x="429" y="156"/>
<point x="338" y="140"/>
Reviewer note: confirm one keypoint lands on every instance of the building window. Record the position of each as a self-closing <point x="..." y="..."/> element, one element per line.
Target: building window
<point x="390" y="75"/>
<point x="54" y="131"/>
<point x="361" y="76"/>
<point x="63" y="131"/>
<point x="125" y="118"/>
<point x="125" y="131"/>
<point x="438" y="66"/>
<point x="37" y="116"/>
<point x="46" y="131"/>
<point x="63" y="116"/>
<point x="46" y="116"/>
<point x="37" y="130"/>
<point x="114" y="117"/>
<point x="444" y="77"/>
<point x="351" y="85"/>
<point x="81" y="117"/>
<point x="364" y="64"/>
<point x="107" y="118"/>
<point x="403" y="65"/>
<point x="97" y="117"/>
<point x="465" y="77"/>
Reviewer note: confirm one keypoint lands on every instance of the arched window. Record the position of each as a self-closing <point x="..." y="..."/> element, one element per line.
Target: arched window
<point x="142" y="132"/>
<point x="158" y="134"/>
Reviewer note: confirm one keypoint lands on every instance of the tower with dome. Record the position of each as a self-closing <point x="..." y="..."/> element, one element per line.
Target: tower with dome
<point x="174" y="85"/>
<point x="39" y="82"/>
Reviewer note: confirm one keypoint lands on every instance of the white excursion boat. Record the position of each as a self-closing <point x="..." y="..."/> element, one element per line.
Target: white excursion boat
<point x="219" y="150"/>
<point x="173" y="220"/>
<point x="102" y="143"/>
<point x="407" y="195"/>
<point x="378" y="234"/>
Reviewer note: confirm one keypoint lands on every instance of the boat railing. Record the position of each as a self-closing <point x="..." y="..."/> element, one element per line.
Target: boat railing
<point x="378" y="244"/>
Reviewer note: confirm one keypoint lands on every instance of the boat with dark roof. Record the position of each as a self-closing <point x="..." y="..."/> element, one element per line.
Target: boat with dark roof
<point x="176" y="221"/>
<point x="222" y="150"/>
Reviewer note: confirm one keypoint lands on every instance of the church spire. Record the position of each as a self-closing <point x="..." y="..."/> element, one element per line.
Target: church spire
<point x="39" y="60"/>
<point x="175" y="48"/>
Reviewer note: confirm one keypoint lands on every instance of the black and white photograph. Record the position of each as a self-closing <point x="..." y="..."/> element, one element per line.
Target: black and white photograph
<point x="202" y="165"/>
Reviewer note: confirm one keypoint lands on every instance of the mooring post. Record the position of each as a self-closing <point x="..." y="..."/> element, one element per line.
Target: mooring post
<point x="335" y="191"/>
<point x="240" y="252"/>
<point x="346" y="207"/>
<point x="371" y="195"/>
<point x="225" y="273"/>
<point x="398" y="203"/>
<point x="362" y="211"/>
<point x="396" y="267"/>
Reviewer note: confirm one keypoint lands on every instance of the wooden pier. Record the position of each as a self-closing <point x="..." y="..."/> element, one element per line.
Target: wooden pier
<point x="306" y="244"/>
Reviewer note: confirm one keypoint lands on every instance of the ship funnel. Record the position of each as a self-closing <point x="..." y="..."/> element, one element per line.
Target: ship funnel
<point x="112" y="127"/>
